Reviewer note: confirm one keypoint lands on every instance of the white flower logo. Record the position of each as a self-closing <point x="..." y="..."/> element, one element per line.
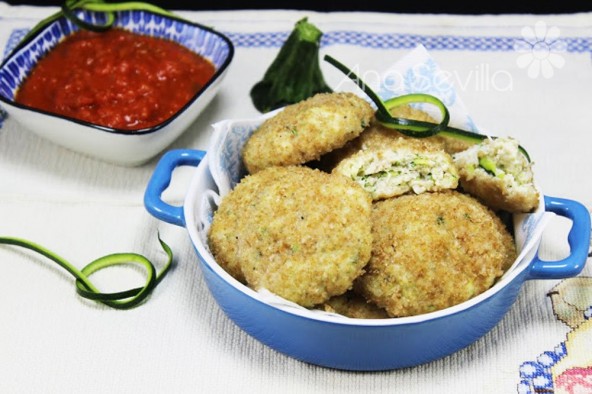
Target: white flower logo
<point x="540" y="48"/>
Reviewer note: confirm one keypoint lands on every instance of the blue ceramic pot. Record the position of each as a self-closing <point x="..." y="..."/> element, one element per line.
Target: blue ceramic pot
<point x="345" y="343"/>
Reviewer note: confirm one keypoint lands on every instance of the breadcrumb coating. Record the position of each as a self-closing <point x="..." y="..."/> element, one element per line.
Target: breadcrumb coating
<point x="352" y="304"/>
<point x="432" y="251"/>
<point x="300" y="233"/>
<point x="304" y="131"/>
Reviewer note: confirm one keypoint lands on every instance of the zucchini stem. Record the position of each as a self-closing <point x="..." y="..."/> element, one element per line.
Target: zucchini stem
<point x="69" y="6"/>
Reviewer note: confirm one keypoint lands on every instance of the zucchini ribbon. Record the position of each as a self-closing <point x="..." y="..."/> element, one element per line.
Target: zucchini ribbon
<point x="85" y="288"/>
<point x="410" y="127"/>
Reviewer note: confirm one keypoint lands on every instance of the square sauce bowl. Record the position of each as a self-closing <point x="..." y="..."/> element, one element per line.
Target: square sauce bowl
<point x="123" y="147"/>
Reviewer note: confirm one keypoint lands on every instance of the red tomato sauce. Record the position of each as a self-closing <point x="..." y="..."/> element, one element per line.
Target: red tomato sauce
<point x="116" y="78"/>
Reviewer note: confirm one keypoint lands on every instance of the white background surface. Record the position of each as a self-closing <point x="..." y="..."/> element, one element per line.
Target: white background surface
<point x="52" y="341"/>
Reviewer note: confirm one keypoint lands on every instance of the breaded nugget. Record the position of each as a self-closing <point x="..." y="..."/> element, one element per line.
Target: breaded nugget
<point x="387" y="165"/>
<point x="496" y="172"/>
<point x="432" y="251"/>
<point x="352" y="304"/>
<point x="300" y="233"/>
<point x="304" y="131"/>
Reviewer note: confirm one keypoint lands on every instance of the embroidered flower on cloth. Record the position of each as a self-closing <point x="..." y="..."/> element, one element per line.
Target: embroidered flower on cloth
<point x="568" y="368"/>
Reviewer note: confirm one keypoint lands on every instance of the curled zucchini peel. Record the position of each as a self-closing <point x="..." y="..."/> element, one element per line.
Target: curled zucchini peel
<point x="410" y="127"/>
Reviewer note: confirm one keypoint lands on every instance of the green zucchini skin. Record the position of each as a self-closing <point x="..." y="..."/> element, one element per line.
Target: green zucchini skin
<point x="410" y="127"/>
<point x="295" y="74"/>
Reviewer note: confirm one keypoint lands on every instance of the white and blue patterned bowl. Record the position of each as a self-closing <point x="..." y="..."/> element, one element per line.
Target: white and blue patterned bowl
<point x="335" y="341"/>
<point x="109" y="144"/>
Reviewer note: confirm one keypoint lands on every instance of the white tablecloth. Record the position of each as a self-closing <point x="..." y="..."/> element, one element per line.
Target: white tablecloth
<point x="179" y="341"/>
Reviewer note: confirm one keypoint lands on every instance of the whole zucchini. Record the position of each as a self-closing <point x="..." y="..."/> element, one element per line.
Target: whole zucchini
<point x="295" y="73"/>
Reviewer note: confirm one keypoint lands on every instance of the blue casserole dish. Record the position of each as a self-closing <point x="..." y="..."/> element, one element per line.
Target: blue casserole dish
<point x="334" y="341"/>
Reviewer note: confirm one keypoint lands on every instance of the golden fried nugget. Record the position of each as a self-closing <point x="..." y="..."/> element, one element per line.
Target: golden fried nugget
<point x="355" y="306"/>
<point x="306" y="130"/>
<point x="300" y="233"/>
<point x="432" y="251"/>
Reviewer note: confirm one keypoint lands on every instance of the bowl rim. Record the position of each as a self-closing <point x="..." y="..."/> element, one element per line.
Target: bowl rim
<point x="189" y="205"/>
<point x="148" y="130"/>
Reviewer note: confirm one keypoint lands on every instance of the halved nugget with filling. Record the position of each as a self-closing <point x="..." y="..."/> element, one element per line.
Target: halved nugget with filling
<point x="499" y="174"/>
<point x="387" y="165"/>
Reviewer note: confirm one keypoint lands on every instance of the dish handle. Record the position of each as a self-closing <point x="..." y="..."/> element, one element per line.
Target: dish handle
<point x="578" y="239"/>
<point x="161" y="179"/>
